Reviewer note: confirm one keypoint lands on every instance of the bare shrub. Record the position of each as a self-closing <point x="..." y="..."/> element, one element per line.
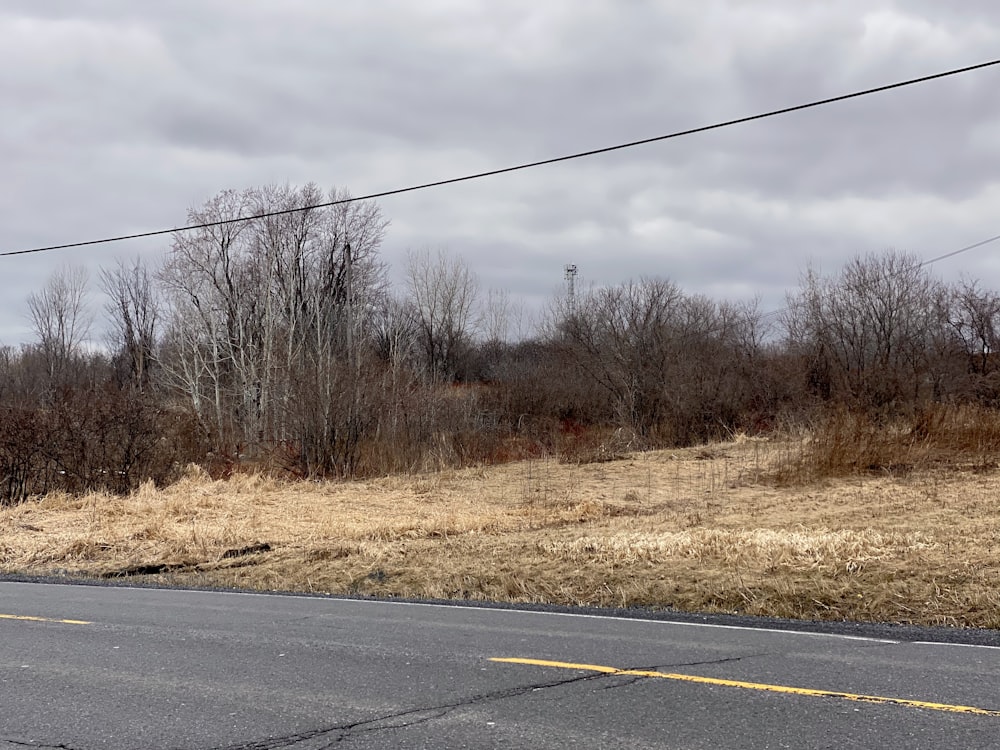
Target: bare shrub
<point x="23" y="467"/>
<point x="84" y="440"/>
<point x="845" y="443"/>
<point x="674" y="369"/>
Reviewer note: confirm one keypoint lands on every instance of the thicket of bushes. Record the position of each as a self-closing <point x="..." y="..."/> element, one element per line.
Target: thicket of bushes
<point x="277" y="343"/>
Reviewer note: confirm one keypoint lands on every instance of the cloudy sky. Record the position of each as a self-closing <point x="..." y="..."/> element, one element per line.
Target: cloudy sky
<point x="118" y="116"/>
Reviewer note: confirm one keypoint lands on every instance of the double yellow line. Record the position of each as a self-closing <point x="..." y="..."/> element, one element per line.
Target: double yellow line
<point x="753" y="686"/>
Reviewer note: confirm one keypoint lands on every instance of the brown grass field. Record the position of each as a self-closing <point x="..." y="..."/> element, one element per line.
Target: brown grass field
<point x="719" y="528"/>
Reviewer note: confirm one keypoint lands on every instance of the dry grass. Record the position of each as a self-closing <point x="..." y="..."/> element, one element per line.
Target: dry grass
<point x="700" y="529"/>
<point x="941" y="436"/>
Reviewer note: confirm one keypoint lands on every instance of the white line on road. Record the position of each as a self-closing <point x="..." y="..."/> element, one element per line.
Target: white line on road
<point x="963" y="645"/>
<point x="442" y="605"/>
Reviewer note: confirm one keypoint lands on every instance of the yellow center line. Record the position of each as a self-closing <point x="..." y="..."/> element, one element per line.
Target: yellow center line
<point x="753" y="686"/>
<point x="30" y="618"/>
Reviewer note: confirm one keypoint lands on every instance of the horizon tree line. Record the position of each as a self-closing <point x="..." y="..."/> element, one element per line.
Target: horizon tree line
<point x="270" y="342"/>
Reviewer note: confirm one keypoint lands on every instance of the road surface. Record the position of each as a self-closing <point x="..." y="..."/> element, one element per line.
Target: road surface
<point x="87" y="667"/>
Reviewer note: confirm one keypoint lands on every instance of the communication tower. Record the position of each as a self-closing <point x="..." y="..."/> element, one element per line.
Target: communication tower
<point x="571" y="287"/>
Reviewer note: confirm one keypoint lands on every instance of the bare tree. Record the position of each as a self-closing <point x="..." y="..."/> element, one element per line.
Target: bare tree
<point x="61" y="319"/>
<point x="622" y="337"/>
<point x="204" y="344"/>
<point x="134" y="308"/>
<point x="393" y="332"/>
<point x="443" y="291"/>
<point x="672" y="368"/>
<point x="496" y="317"/>
<point x="257" y="313"/>
<point x="866" y="332"/>
<point x="974" y="316"/>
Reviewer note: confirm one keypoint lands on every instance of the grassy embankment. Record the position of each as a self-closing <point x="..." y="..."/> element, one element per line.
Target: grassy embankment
<point x="855" y="522"/>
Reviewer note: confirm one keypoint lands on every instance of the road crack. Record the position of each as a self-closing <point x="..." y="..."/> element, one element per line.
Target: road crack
<point x="628" y="680"/>
<point x="328" y="737"/>
<point x="36" y="745"/>
<point x="322" y="739"/>
<point x="707" y="662"/>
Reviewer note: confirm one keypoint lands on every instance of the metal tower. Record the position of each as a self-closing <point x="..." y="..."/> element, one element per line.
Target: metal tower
<point x="571" y="287"/>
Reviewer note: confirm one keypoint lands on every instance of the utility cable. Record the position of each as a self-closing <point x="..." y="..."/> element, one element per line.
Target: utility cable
<point x="921" y="264"/>
<point x="516" y="168"/>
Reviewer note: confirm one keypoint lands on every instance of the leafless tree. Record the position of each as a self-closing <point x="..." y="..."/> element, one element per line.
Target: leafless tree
<point x="974" y="317"/>
<point x="393" y="332"/>
<point x="867" y="331"/>
<point x="496" y="317"/>
<point x="673" y="368"/>
<point x="134" y="309"/>
<point x="204" y="341"/>
<point x="443" y="292"/>
<point x="61" y="318"/>
<point x="258" y="311"/>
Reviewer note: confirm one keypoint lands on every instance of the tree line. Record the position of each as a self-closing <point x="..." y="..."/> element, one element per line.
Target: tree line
<point x="279" y="343"/>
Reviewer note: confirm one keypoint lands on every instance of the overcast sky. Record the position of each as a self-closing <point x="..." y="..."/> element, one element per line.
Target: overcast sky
<point x="118" y="116"/>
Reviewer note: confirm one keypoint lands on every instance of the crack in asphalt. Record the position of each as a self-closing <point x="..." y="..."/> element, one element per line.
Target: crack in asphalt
<point x="322" y="739"/>
<point x="36" y="745"/>
<point x="713" y="661"/>
<point x="629" y="680"/>
<point x="328" y="737"/>
<point x="626" y="681"/>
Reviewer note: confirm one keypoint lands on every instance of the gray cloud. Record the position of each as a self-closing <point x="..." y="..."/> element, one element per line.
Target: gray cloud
<point x="120" y="116"/>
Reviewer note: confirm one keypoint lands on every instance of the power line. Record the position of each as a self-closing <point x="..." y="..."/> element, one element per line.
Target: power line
<point x="921" y="264"/>
<point x="961" y="250"/>
<point x="516" y="168"/>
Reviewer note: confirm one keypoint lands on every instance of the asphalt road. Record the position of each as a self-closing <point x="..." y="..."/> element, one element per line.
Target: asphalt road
<point x="86" y="667"/>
